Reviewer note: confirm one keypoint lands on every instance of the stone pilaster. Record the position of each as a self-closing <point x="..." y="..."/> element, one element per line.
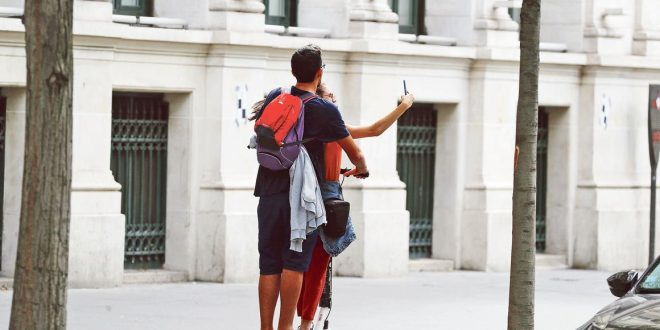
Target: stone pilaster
<point x="92" y="10"/>
<point x="373" y="19"/>
<point x="13" y="179"/>
<point x="473" y="22"/>
<point x="237" y="15"/>
<point x="494" y="27"/>
<point x="97" y="229"/>
<point x="606" y="30"/>
<point x="646" y="40"/>
<point x="332" y="15"/>
<point x="230" y="15"/>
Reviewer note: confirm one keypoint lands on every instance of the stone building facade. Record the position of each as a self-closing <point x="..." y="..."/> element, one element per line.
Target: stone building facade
<point x="162" y="177"/>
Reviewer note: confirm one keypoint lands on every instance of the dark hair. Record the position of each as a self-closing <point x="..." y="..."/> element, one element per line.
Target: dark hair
<point x="305" y="62"/>
<point x="256" y="108"/>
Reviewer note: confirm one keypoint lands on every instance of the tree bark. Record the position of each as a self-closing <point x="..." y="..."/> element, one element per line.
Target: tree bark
<point x="523" y="249"/>
<point x="40" y="280"/>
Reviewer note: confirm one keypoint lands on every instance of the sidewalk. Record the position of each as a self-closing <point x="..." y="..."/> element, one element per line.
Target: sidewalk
<point x="565" y="299"/>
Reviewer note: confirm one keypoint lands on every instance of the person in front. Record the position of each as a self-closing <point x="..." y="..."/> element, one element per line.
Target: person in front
<point x="281" y="268"/>
<point x="314" y="278"/>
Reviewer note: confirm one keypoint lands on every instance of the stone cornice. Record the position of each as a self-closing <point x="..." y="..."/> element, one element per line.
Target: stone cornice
<point x="241" y="6"/>
<point x="373" y="11"/>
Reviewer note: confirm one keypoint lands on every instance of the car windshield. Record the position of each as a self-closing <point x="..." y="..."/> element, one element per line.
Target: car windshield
<point x="652" y="279"/>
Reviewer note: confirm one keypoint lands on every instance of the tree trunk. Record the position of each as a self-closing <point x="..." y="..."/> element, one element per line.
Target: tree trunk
<point x="40" y="280"/>
<point x="523" y="249"/>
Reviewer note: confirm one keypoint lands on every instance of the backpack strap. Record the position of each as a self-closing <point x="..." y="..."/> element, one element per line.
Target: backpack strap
<point x="297" y="142"/>
<point x="306" y="98"/>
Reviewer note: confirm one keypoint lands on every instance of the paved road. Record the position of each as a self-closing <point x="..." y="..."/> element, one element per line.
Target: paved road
<point x="456" y="300"/>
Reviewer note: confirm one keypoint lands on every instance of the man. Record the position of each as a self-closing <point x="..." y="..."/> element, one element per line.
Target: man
<point x="281" y="269"/>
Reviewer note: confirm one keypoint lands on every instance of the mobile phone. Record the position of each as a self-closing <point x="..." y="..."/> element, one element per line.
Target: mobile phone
<point x="405" y="89"/>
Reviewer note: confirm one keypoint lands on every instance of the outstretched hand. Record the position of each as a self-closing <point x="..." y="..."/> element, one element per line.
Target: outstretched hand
<point x="354" y="172"/>
<point x="407" y="100"/>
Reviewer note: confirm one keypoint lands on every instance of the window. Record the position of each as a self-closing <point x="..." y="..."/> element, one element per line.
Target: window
<point x="281" y="12"/>
<point x="411" y="15"/>
<point x="515" y="14"/>
<point x="133" y="7"/>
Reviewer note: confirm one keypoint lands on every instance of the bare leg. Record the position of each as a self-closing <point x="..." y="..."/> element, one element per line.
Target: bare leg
<point x="269" y="290"/>
<point x="305" y="324"/>
<point x="289" y="293"/>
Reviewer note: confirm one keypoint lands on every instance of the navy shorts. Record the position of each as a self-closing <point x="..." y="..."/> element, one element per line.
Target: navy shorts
<point x="274" y="214"/>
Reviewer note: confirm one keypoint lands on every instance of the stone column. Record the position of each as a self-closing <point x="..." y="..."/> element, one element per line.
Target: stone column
<point x="378" y="204"/>
<point x="607" y="28"/>
<point x="373" y="19"/>
<point x="333" y="15"/>
<point x="226" y="227"/>
<point x="563" y="23"/>
<point x="96" y="257"/>
<point x="230" y="15"/>
<point x="493" y="26"/>
<point x="13" y="185"/>
<point x="612" y="196"/>
<point x="92" y="10"/>
<point x="646" y="40"/>
<point x="486" y="224"/>
<point x="472" y="22"/>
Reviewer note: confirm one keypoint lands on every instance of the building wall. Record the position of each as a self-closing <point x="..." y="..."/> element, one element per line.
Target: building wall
<point x="598" y="177"/>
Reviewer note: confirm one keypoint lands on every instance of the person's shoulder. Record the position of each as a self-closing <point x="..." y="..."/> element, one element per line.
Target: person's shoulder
<point x="274" y="92"/>
<point x="324" y="104"/>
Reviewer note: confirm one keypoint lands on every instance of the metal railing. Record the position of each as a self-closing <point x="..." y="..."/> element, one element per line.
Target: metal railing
<point x="541" y="179"/>
<point x="416" y="166"/>
<point x="139" y="164"/>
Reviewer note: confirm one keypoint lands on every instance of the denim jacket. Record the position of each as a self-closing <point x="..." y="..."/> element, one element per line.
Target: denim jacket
<point x="332" y="190"/>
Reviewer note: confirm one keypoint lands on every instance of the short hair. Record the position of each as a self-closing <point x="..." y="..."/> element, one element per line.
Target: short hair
<point x="305" y="62"/>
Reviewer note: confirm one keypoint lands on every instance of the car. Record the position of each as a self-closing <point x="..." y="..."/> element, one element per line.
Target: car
<point x="638" y="306"/>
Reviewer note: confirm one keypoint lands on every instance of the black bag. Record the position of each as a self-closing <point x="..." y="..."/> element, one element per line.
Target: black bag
<point x="336" y="212"/>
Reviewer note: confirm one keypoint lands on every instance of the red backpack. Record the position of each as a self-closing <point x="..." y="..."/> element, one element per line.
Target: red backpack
<point x="280" y="130"/>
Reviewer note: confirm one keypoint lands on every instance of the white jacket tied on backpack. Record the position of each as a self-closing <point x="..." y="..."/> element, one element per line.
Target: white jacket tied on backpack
<point x="307" y="209"/>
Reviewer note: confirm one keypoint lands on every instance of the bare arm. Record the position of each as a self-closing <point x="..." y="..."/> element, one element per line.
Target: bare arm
<point x="355" y="155"/>
<point x="384" y="123"/>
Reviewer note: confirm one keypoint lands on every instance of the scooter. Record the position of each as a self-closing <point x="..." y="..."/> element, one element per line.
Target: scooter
<point x="321" y="321"/>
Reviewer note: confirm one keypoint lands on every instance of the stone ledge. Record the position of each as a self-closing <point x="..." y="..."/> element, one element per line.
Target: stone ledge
<point x="6" y="283"/>
<point x="430" y="265"/>
<point x="153" y="276"/>
<point x="550" y="261"/>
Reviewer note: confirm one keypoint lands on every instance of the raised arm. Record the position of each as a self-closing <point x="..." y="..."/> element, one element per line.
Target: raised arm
<point x="355" y="155"/>
<point x="384" y="123"/>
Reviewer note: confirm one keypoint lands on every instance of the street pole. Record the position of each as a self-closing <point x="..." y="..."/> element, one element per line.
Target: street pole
<point x="652" y="224"/>
<point x="654" y="153"/>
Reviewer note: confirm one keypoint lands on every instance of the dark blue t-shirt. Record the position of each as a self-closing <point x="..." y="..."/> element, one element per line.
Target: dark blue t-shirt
<point x="323" y="123"/>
